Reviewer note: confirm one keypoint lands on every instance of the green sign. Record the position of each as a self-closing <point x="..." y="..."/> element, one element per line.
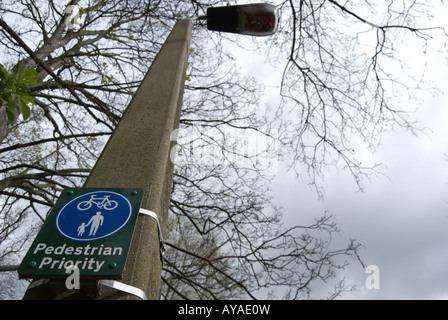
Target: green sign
<point x="88" y="228"/>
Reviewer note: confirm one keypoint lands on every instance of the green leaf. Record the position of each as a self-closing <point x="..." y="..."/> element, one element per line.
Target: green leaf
<point x="5" y="72"/>
<point x="30" y="82"/>
<point x="25" y="109"/>
<point x="20" y="72"/>
<point x="24" y="96"/>
<point x="30" y="73"/>
<point x="10" y="116"/>
<point x="7" y="97"/>
<point x="11" y="106"/>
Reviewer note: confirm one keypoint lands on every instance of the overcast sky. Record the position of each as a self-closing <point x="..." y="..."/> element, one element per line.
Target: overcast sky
<point x="402" y="218"/>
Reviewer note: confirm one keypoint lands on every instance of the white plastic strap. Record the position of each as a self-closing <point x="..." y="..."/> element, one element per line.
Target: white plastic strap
<point x="154" y="215"/>
<point x="124" y="287"/>
<point x="108" y="283"/>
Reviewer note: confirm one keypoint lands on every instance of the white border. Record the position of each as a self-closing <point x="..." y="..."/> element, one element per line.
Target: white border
<point x="91" y="239"/>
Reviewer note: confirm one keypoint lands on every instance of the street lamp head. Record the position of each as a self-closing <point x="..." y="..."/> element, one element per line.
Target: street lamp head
<point x="252" y="19"/>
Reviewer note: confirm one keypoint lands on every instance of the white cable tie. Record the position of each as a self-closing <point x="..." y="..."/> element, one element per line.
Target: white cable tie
<point x="154" y="215"/>
<point x="124" y="287"/>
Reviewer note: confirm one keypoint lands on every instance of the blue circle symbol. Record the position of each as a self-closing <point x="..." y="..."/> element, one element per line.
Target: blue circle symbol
<point x="94" y="215"/>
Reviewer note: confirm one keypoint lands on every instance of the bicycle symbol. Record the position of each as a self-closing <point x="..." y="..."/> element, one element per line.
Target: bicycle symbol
<point x="101" y="203"/>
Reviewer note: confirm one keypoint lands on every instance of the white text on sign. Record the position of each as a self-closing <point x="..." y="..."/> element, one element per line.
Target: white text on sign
<point x="84" y="263"/>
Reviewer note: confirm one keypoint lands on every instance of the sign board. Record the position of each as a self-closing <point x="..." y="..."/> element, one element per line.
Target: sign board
<point x="88" y="228"/>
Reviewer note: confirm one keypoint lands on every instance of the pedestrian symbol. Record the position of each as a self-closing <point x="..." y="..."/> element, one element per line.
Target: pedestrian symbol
<point x="95" y="221"/>
<point x="93" y="216"/>
<point x="81" y="229"/>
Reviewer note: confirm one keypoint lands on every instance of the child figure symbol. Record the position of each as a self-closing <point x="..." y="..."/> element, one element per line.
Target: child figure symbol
<point x="81" y="229"/>
<point x="95" y="222"/>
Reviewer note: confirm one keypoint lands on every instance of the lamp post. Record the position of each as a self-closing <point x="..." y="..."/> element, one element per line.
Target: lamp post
<point x="137" y="154"/>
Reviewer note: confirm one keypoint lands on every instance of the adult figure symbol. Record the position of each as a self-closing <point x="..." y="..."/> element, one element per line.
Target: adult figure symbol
<point x="96" y="221"/>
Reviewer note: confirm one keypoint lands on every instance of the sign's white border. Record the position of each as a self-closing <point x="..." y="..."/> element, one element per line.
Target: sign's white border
<point x="96" y="238"/>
